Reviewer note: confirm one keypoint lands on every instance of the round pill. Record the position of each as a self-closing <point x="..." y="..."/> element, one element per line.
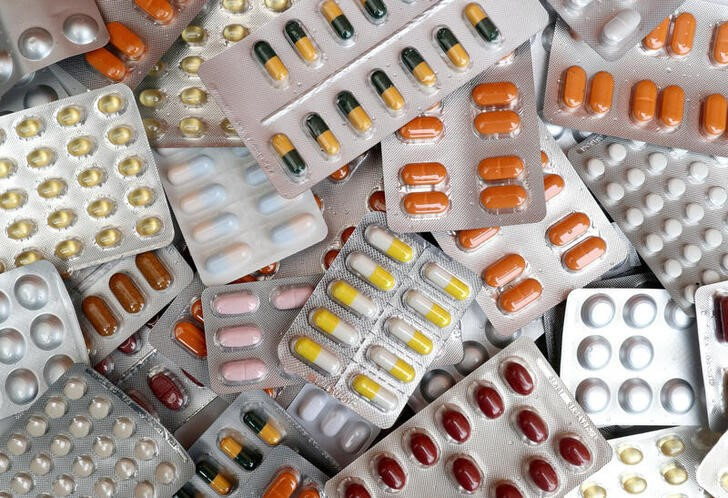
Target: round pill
<point x="617" y="152"/>
<point x="693" y="212"/>
<point x="144" y="489"/>
<point x="689" y="292"/>
<point x="636" y="353"/>
<point x="18" y="444"/>
<point x="595" y="167"/>
<point x="21" y="483"/>
<point x="672" y="268"/>
<point x="36" y="425"/>
<point x="61" y="445"/>
<point x="635" y="177"/>
<point x="717" y="196"/>
<point x="593" y="395"/>
<point x="99" y="407"/>
<point x="594" y="352"/>
<point x="635" y="396"/>
<point x="698" y="170"/>
<point x="56" y="407"/>
<point x="165" y="473"/>
<point x="614" y="191"/>
<point x="656" y="162"/>
<point x="4" y="463"/>
<point x="677" y="396"/>
<point x="691" y="253"/>
<point x="104" y="488"/>
<point x="634" y="217"/>
<point x="653" y="243"/>
<point x="79" y="426"/>
<point x="712" y="238"/>
<point x="40" y="465"/>
<point x="145" y="449"/>
<point x="710" y="277"/>
<point x="103" y="446"/>
<point x="63" y="485"/>
<point x="123" y="427"/>
<point x="83" y="466"/>
<point x="672" y="228"/>
<point x="653" y="202"/>
<point x="125" y="468"/>
<point x="675" y="187"/>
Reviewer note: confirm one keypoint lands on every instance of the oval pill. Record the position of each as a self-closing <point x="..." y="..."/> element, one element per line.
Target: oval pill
<point x="504" y="270"/>
<point x="165" y="387"/>
<point x="573" y="88"/>
<point x="422" y="128"/>
<point x="657" y="38"/>
<point x="497" y="122"/>
<point x="498" y="94"/>
<point x="391" y="363"/>
<point x="720" y="44"/>
<point x="683" y="32"/>
<point x="520" y="295"/>
<point x="553" y="184"/>
<point x="418" y="67"/>
<point x="583" y="254"/>
<point x="446" y="281"/>
<point x="388" y="244"/>
<point x="107" y="64"/>
<point x="500" y="168"/>
<point x="371" y="272"/>
<point x="420" y="174"/>
<point x="601" y="91"/>
<point x="428" y="309"/>
<point x="242" y="371"/>
<point x="568" y="228"/>
<point x="408" y="335"/>
<point x="100" y="315"/>
<point x="191" y="337"/>
<point x="466" y="474"/>
<point x="235" y="303"/>
<point x="425" y="203"/>
<point x="153" y="270"/>
<point x="644" y="101"/>
<point x="370" y="390"/>
<point x="518" y="377"/>
<point x="714" y="114"/>
<point x="474" y="238"/>
<point x="126" y="292"/>
<point x="620" y="27"/>
<point x="160" y="10"/>
<point x="329" y="323"/>
<point x="315" y="354"/>
<point x="346" y="295"/>
<point x="239" y="336"/>
<point x="291" y="297"/>
<point x="503" y="197"/>
<point x="455" y="52"/>
<point x="270" y="61"/>
<point x="671" y="106"/>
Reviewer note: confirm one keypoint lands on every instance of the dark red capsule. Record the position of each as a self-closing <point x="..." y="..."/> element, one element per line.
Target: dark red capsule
<point x="105" y="366"/>
<point x="192" y="378"/>
<point x="507" y="490"/>
<point x="518" y="378"/>
<point x="466" y="474"/>
<point x="423" y="449"/>
<point x="131" y="345"/>
<point x="356" y="490"/>
<point x="166" y="390"/>
<point x="722" y="306"/>
<point x="391" y="473"/>
<point x="489" y="401"/>
<point x="376" y="201"/>
<point x="142" y="401"/>
<point x="574" y="451"/>
<point x="532" y="426"/>
<point x="456" y="425"/>
<point x="346" y="234"/>
<point x="543" y="475"/>
<point x="329" y="257"/>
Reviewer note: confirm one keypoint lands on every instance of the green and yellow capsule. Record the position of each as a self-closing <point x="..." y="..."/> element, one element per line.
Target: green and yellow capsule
<point x="375" y="9"/>
<point x="417" y="66"/>
<point x="272" y="64"/>
<point x="288" y="154"/>
<point x="338" y="21"/>
<point x="481" y="22"/>
<point x="296" y="34"/>
<point x="355" y="113"/>
<point x="213" y="477"/>
<point x="387" y="91"/>
<point x="322" y="134"/>
<point x="247" y="458"/>
<point x="452" y="48"/>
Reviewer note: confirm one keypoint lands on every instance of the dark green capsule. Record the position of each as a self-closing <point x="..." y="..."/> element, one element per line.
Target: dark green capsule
<point x="211" y="475"/>
<point x="446" y="39"/>
<point x="381" y="81"/>
<point x="338" y="21"/>
<point x="294" y="31"/>
<point x="289" y="155"/>
<point x="481" y="22"/>
<point x="375" y="8"/>
<point x="247" y="458"/>
<point x="187" y="491"/>
<point x="316" y="125"/>
<point x="346" y="102"/>
<point x="411" y="58"/>
<point x="263" y="51"/>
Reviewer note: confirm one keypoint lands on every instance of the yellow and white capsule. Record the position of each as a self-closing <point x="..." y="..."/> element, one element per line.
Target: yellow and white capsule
<point x="348" y="296"/>
<point x="370" y="390"/>
<point x="391" y="363"/>
<point x="370" y="271"/>
<point x="388" y="244"/>
<point x="327" y="322"/>
<point x="443" y="279"/>
<point x="428" y="309"/>
<point x="315" y="354"/>
<point x="410" y="336"/>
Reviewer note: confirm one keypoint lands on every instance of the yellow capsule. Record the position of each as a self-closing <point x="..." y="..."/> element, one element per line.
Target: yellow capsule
<point x="152" y="97"/>
<point x="153" y="128"/>
<point x="7" y="167"/>
<point x="191" y="64"/>
<point x="633" y="484"/>
<point x="277" y="5"/>
<point x="70" y="116"/>
<point x="29" y="128"/>
<point x="2" y="267"/>
<point x="111" y="104"/>
<point x="315" y="354"/>
<point x="141" y="197"/>
<point x="374" y="392"/>
<point x="158" y="69"/>
<point x="194" y="35"/>
<point x="101" y="208"/>
<point x="369" y="270"/>
<point x="81" y="146"/>
<point x="234" y="6"/>
<point x="388" y="244"/>
<point x="63" y="218"/>
<point x="350" y="297"/>
<point x="12" y="199"/>
<point x="91" y="177"/>
<point x="21" y="229"/>
<point x="28" y="257"/>
<point x="121" y="135"/>
<point x="629" y="455"/>
<point x="52" y="188"/>
<point x="391" y="363"/>
<point x="193" y="97"/>
<point x="148" y="227"/>
<point x="591" y="490"/>
<point x="674" y="473"/>
<point x="329" y="323"/>
<point x="68" y="249"/>
<point x="671" y="445"/>
<point x="41" y="157"/>
<point x="227" y="128"/>
<point x="108" y="237"/>
<point x="192" y="127"/>
<point x="235" y="32"/>
<point x="131" y="166"/>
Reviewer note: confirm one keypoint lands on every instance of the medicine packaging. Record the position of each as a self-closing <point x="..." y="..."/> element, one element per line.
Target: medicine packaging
<point x="713" y="472"/>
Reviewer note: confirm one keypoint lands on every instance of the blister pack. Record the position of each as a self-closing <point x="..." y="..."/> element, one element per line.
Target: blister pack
<point x="75" y="198"/>
<point x="38" y="88"/>
<point x="174" y="103"/>
<point x="513" y="401"/>
<point x="37" y="33"/>
<point x="118" y="298"/>
<point x="323" y="66"/>
<point x="631" y="334"/>
<point x="522" y="281"/>
<point x="711" y="307"/>
<point x="140" y="32"/>
<point x="232" y="218"/>
<point x="84" y="437"/>
<point x="40" y="337"/>
<point x="656" y="463"/>
<point x="489" y="172"/>
<point x="670" y="203"/>
<point x="713" y="471"/>
<point x="612" y="28"/>
<point x="127" y="354"/>
<point x="244" y="324"/>
<point x="670" y="90"/>
<point x="377" y="319"/>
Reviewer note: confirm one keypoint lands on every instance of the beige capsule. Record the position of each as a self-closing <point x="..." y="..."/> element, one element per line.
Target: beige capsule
<point x="27" y="257"/>
<point x="63" y="218"/>
<point x="29" y="127"/>
<point x="192" y="127"/>
<point x="629" y="455"/>
<point x="121" y="135"/>
<point x="141" y="197"/>
<point x="191" y="64"/>
<point x="154" y="128"/>
<point x="194" y="34"/>
<point x="277" y="5"/>
<point x="158" y="69"/>
<point x="7" y="167"/>
<point x="591" y="490"/>
<point x="112" y="103"/>
<point x="674" y="473"/>
<point x="81" y="146"/>
<point x="21" y="229"/>
<point x="70" y="116"/>
<point x="147" y="227"/>
<point x="234" y="6"/>
<point x="101" y="208"/>
<point x="633" y="484"/>
<point x="52" y="188"/>
<point x="671" y="445"/>
<point x="108" y="237"/>
<point x="227" y="128"/>
<point x="152" y="97"/>
<point x="68" y="249"/>
<point x="235" y="32"/>
<point x="13" y="199"/>
<point x="131" y="166"/>
<point x="41" y="157"/>
<point x="193" y="97"/>
<point x="91" y="177"/>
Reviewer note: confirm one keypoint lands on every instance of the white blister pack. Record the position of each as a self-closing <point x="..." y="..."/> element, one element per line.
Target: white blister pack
<point x="485" y="139"/>
<point x="615" y="348"/>
<point x="232" y="218"/>
<point x="670" y="203"/>
<point x="713" y="470"/>
<point x="523" y="276"/>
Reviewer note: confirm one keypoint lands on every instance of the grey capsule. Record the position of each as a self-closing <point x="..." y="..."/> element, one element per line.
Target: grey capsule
<point x="35" y="43"/>
<point x="677" y="396"/>
<point x="47" y="331"/>
<point x="80" y="29"/>
<point x="21" y="386"/>
<point x="636" y="352"/>
<point x="635" y="396"/>
<point x="31" y="291"/>
<point x="4" y="307"/>
<point x="12" y="346"/>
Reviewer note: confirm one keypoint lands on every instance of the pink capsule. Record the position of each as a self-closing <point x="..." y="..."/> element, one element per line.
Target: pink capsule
<point x="241" y="371"/>
<point x="240" y="336"/>
<point x="235" y="303"/>
<point x="291" y="297"/>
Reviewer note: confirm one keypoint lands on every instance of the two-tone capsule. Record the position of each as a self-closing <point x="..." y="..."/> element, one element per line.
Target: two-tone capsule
<point x="323" y="135"/>
<point x="446" y="281"/>
<point x="372" y="391"/>
<point x="213" y="477"/>
<point x="375" y="10"/>
<point x="370" y="271"/>
<point x="388" y="244"/>
<point x="427" y="308"/>
<point x="270" y="61"/>
<point x="302" y="43"/>
<point x="387" y="91"/>
<point x="316" y="355"/>
<point x="408" y="335"/>
<point x="264" y="429"/>
<point x="329" y="323"/>
<point x="288" y="154"/>
<point x="349" y="297"/>
<point x="485" y="27"/>
<point x="418" y="68"/>
<point x="247" y="458"/>
<point x="391" y="363"/>
<point x="354" y="112"/>
<point x="337" y="20"/>
<point x="456" y="53"/>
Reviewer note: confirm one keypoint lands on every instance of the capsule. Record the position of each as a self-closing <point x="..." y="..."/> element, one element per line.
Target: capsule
<point x="370" y="390"/>
<point x="417" y="66"/>
<point x="339" y="175"/>
<point x="600" y="93"/>
<point x="481" y="22"/>
<point x="671" y="106"/>
<point x="720" y="44"/>
<point x="449" y="44"/>
<point x="474" y="238"/>
<point x="191" y="337"/>
<point x="167" y="389"/>
<point x="644" y="101"/>
<point x="446" y="281"/>
<point x="296" y="34"/>
<point x="316" y="355"/>
<point x="310" y="492"/>
<point x="656" y="38"/>
<point x="391" y="363"/>
<point x="683" y="32"/>
<point x="425" y="203"/>
<point x="355" y="113"/>
<point x="422" y="174"/>
<point x="714" y="115"/>
<point x="387" y="91"/>
<point x="288" y="154"/>
<point x="568" y="229"/>
<point x="100" y="315"/>
<point x="428" y="309"/>
<point x="500" y="168"/>
<point x="553" y="184"/>
<point x="337" y="20"/>
<point x="211" y="475"/>
<point x="346" y="295"/>
<point x="159" y="10"/>
<point x="153" y="270"/>
<point x="125" y="40"/>
<point x="363" y="266"/>
<point x="270" y="61"/>
<point x="325" y="321"/>
<point x="126" y="292"/>
<point x="265" y="429"/>
<point x="497" y="94"/>
<point x="573" y="88"/>
<point x="500" y="197"/>
<point x="519" y="296"/>
<point x="421" y="128"/>
<point x="323" y="135"/>
<point x="497" y="123"/>
<point x="583" y="254"/>
<point x="408" y="335"/>
<point x="186" y="491"/>
<point x="504" y="270"/>
<point x="388" y="244"/>
<point x="106" y="63"/>
<point x="247" y="458"/>
<point x="283" y="485"/>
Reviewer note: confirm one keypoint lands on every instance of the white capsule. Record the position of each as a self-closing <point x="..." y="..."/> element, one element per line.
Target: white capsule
<point x="296" y="228"/>
<point x="620" y="27"/>
<point x="36" y="425"/>
<point x="270" y="203"/>
<point x="230" y="257"/>
<point x="388" y="244"/>
<point x="99" y="407"/>
<point x="254" y="176"/>
<point x="334" y="421"/>
<point x="194" y="169"/>
<point x="18" y="444"/>
<point x="445" y="281"/>
<point x="311" y="406"/>
<point x="222" y="225"/>
<point x="354" y="437"/>
<point x="210" y="196"/>
<point x="370" y="271"/>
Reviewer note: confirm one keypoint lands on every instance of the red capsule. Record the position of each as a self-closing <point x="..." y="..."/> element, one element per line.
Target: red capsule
<point x="518" y="378"/>
<point x="140" y="400"/>
<point x="466" y="474"/>
<point x="377" y="202"/>
<point x="489" y="402"/>
<point x="507" y="490"/>
<point x="166" y="391"/>
<point x="329" y="257"/>
<point x="456" y="425"/>
<point x="423" y="449"/>
<point x="543" y="475"/>
<point x="131" y="345"/>
<point x="356" y="490"/>
<point x="346" y="234"/>
<point x="532" y="426"/>
<point x="574" y="451"/>
<point x="391" y="473"/>
<point x="105" y="366"/>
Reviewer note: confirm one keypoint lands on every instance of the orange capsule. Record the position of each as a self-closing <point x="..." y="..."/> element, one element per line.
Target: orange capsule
<point x="500" y="168"/>
<point x="503" y="197"/>
<point x="153" y="270"/>
<point x="191" y="337"/>
<point x="106" y="63"/>
<point x="499" y="94"/>
<point x="671" y="107"/>
<point x="574" y="87"/>
<point x="584" y="253"/>
<point x="377" y="201"/>
<point x="720" y="44"/>
<point x="418" y="174"/>
<point x="422" y="128"/>
<point x="423" y="203"/>
<point x="126" y="292"/>
<point x="568" y="228"/>
<point x="196" y="310"/>
<point x="340" y="174"/>
<point x="99" y="314"/>
<point x="600" y="93"/>
<point x="268" y="269"/>
<point x="309" y="493"/>
<point x="644" y="101"/>
<point x="474" y="238"/>
<point x="519" y="296"/>
<point x="125" y="40"/>
<point x="283" y="485"/>
<point x="683" y="32"/>
<point x="504" y="270"/>
<point x="544" y="159"/>
<point x="656" y="38"/>
<point x="553" y="184"/>
<point x="497" y="123"/>
<point x="159" y="10"/>
<point x="714" y="115"/>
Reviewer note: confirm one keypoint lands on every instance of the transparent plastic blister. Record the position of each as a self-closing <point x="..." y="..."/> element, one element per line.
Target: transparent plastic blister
<point x="447" y="175"/>
<point x="525" y="276"/>
<point x="672" y="95"/>
<point x="127" y="354"/>
<point x="507" y="429"/>
<point x="713" y="471"/>
<point x="330" y="96"/>
<point x="84" y="437"/>
<point x="38" y="88"/>
<point x="40" y="334"/>
<point x="615" y="349"/>
<point x="244" y="324"/>
<point x="670" y="203"/>
<point x="232" y="218"/>
<point x="141" y="32"/>
<point x="377" y="319"/>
